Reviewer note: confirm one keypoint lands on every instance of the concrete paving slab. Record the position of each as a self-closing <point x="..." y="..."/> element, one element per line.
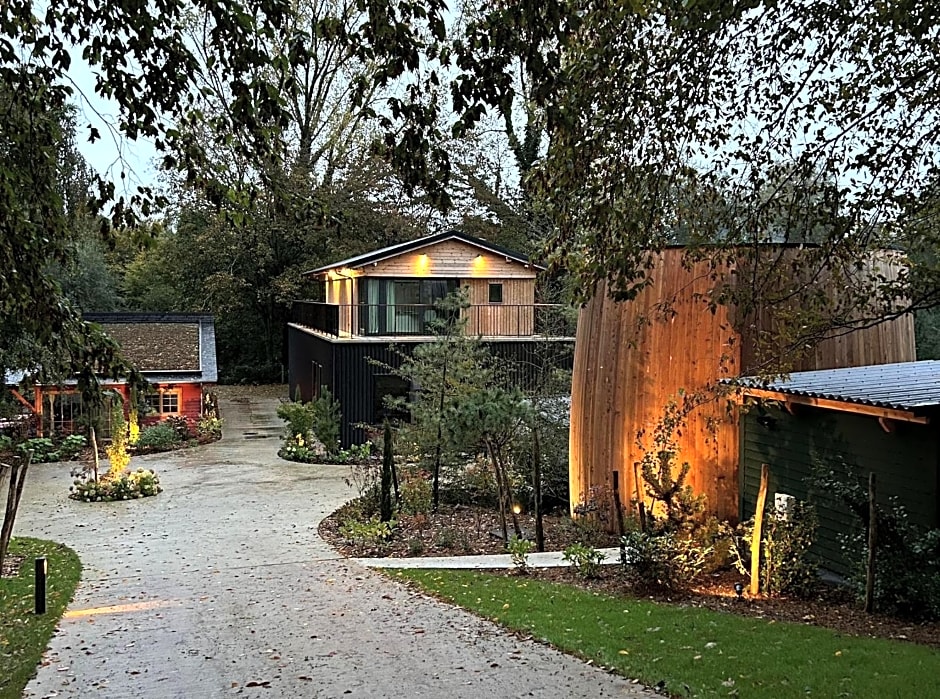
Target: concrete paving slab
<point x="221" y="587"/>
<point x="546" y="559"/>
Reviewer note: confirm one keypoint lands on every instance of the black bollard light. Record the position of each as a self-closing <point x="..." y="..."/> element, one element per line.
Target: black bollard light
<point x="41" y="570"/>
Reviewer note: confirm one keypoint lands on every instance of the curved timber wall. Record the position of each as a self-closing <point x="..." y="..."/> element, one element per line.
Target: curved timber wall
<point x="633" y="357"/>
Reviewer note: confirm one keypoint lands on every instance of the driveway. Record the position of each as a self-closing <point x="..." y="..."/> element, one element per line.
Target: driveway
<point x="220" y="587"/>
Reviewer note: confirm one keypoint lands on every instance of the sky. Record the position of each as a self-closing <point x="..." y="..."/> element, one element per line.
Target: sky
<point x="112" y="153"/>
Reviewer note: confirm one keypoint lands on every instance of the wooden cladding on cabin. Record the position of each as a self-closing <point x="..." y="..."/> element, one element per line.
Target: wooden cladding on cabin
<point x="450" y="258"/>
<point x="513" y="317"/>
<point x="633" y="358"/>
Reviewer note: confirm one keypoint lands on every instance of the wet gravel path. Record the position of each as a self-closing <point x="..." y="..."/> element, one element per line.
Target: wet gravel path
<point x="220" y="587"/>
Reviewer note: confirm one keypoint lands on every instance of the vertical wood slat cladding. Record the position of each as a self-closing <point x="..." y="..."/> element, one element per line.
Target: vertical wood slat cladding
<point x="633" y="358"/>
<point x="451" y="259"/>
<point x="514" y="317"/>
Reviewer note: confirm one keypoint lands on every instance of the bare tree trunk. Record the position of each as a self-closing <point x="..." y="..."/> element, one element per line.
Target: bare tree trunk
<point x="501" y="492"/>
<point x="14" y="493"/>
<point x="508" y="493"/>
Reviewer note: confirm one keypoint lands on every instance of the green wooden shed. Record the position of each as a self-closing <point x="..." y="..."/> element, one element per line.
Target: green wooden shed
<point x="859" y="420"/>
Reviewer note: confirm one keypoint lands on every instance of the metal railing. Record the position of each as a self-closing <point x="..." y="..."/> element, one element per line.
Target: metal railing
<point x="402" y="320"/>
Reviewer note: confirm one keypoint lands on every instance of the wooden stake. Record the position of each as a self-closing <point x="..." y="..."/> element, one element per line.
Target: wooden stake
<point x="640" y="505"/>
<point x="618" y="507"/>
<point x="14" y="493"/>
<point x="94" y="453"/>
<point x="537" y="485"/>
<point x="872" y="545"/>
<point x="758" y="523"/>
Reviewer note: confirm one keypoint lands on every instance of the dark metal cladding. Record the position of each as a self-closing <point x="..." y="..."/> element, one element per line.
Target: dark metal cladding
<point x="351" y="371"/>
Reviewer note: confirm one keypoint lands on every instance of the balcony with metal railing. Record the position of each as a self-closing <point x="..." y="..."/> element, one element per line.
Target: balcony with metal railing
<point x="425" y="320"/>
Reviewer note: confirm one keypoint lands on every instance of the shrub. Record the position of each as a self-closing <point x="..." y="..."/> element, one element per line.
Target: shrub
<point x="209" y="428"/>
<point x="679" y="542"/>
<point x="446" y="538"/>
<point x="46" y="450"/>
<point x="355" y="453"/>
<point x="416" y="495"/>
<point x="158" y="437"/>
<point x="470" y="484"/>
<point x="297" y="450"/>
<point x="127" y="486"/>
<point x="585" y="560"/>
<point x="299" y="419"/>
<point x="907" y="564"/>
<point x="788" y="567"/>
<point x="519" y="553"/>
<point x="71" y="446"/>
<point x="326" y="416"/>
<point x="372" y="532"/>
<point x="663" y="559"/>
<point x="133" y="426"/>
<point x="185" y="427"/>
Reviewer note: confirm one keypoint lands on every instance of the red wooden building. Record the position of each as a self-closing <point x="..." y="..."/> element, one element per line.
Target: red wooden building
<point x="174" y="352"/>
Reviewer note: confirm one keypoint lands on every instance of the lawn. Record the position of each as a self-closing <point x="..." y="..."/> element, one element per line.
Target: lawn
<point x="692" y="651"/>
<point x="23" y="635"/>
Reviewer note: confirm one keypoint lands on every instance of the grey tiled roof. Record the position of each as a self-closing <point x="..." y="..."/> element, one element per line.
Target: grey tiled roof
<point x="904" y="386"/>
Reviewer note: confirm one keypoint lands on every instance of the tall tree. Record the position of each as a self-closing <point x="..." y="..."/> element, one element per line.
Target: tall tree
<point x="718" y="120"/>
<point x="146" y="65"/>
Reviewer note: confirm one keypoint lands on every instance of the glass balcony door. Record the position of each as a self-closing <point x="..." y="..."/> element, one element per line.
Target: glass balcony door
<point x="400" y="306"/>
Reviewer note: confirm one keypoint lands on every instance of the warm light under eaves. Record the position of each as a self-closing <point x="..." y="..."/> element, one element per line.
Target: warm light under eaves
<point x="422" y="265"/>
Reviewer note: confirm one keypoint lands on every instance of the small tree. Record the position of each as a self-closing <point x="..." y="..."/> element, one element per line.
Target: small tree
<point x="493" y="418"/>
<point x="118" y="456"/>
<point x="446" y="371"/>
<point x="671" y="497"/>
<point x="326" y="416"/>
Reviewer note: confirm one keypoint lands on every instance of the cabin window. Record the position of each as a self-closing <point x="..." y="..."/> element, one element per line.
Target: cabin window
<point x="165" y="402"/>
<point x="400" y="306"/>
<point x="496" y="293"/>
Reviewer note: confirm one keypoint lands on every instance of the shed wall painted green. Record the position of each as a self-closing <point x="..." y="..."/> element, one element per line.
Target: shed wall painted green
<point x="905" y="463"/>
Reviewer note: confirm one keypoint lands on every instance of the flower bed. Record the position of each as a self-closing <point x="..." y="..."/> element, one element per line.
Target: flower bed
<point x="130" y="485"/>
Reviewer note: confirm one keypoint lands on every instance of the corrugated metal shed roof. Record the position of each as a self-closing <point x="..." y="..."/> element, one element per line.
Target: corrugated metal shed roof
<point x="905" y="386"/>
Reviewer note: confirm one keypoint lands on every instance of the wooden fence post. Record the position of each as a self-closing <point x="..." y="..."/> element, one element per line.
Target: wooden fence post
<point x="618" y="509"/>
<point x="758" y="523"/>
<point x="872" y="545"/>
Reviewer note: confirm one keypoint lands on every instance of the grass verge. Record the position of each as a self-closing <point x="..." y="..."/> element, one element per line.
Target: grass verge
<point x="23" y="635"/>
<point x="692" y="651"/>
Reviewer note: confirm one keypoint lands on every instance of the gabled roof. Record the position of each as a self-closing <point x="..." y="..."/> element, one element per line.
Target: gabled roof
<point x="908" y="386"/>
<point x="165" y="347"/>
<point x="411" y="245"/>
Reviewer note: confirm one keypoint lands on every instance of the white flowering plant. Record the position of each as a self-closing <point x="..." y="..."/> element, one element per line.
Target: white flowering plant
<point x="131" y="485"/>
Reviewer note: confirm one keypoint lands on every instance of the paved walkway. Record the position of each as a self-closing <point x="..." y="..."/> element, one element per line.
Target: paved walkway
<point x="221" y="587"/>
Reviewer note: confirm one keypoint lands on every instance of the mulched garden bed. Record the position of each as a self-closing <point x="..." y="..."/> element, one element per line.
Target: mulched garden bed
<point x="464" y="530"/>
<point x="456" y="530"/>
